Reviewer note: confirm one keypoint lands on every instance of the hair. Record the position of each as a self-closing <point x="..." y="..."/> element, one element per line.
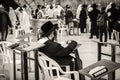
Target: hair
<point x="103" y="8"/>
<point x="24" y="6"/>
<point x="94" y="6"/>
<point x="42" y="7"/>
<point x="51" y="6"/>
<point x="38" y="6"/>
<point x="113" y="5"/>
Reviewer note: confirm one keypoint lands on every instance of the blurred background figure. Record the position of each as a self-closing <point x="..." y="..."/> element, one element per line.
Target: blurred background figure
<point x="37" y="10"/>
<point x="69" y="17"/>
<point x="50" y="12"/>
<point x="82" y="18"/>
<point x="113" y="14"/>
<point x="103" y="17"/>
<point x="41" y="13"/>
<point x="24" y="21"/>
<point x="93" y="18"/>
<point x="78" y="11"/>
<point x="5" y="23"/>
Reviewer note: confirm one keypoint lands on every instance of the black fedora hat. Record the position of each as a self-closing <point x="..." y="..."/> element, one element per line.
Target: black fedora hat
<point x="47" y="28"/>
<point x="94" y="5"/>
<point x="84" y="5"/>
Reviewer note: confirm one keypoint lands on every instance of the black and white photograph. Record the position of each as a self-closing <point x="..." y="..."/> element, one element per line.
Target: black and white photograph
<point x="59" y="39"/>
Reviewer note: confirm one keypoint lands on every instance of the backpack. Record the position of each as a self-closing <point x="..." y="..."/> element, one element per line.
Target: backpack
<point x="101" y="20"/>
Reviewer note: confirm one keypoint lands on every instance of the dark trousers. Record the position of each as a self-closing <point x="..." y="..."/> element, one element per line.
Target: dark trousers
<point x="3" y="35"/>
<point x="103" y="33"/>
<point x="94" y="30"/>
<point x="82" y="29"/>
<point x="110" y="28"/>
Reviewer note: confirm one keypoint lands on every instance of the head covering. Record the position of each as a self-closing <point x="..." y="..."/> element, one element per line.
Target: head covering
<point x="43" y="7"/>
<point x="113" y="5"/>
<point x="103" y="8"/>
<point x="84" y="5"/>
<point x="24" y="6"/>
<point x="94" y="5"/>
<point x="48" y="28"/>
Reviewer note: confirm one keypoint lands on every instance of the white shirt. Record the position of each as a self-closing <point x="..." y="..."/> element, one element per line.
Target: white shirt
<point x="42" y="40"/>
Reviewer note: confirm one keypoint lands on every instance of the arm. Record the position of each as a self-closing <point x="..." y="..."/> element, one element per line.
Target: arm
<point x="55" y="49"/>
<point x="67" y="50"/>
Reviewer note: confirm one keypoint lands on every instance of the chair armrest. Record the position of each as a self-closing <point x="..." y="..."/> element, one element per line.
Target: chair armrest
<point x="53" y="68"/>
<point x="75" y="73"/>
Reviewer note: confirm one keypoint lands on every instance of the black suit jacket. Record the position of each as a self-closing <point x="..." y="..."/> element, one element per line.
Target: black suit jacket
<point x="60" y="54"/>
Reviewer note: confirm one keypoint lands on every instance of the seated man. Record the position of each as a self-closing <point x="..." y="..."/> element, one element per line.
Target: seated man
<point x="57" y="52"/>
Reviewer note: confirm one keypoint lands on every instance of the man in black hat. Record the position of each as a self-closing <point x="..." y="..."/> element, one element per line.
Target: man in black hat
<point x="93" y="18"/>
<point x="82" y="18"/>
<point x="55" y="50"/>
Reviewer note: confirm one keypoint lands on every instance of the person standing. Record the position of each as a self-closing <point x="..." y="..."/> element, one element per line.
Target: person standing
<point x="41" y="13"/>
<point x="113" y="13"/>
<point x="82" y="18"/>
<point x="93" y="18"/>
<point x="102" y="19"/>
<point x="24" y="21"/>
<point x="50" y="12"/>
<point x="68" y="17"/>
<point x="36" y="11"/>
<point x="5" y="22"/>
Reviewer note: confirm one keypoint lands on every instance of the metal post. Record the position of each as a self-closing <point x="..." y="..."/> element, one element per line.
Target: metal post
<point x="99" y="51"/>
<point x="24" y="66"/>
<point x="36" y="65"/>
<point x="111" y="76"/>
<point x="14" y="65"/>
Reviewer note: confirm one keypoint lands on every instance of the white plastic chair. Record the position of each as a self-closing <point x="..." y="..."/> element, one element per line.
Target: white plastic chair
<point x="62" y="28"/>
<point x="67" y="67"/>
<point x="6" y="57"/>
<point x="48" y="65"/>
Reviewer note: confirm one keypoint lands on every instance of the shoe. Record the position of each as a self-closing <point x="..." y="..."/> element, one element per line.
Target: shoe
<point x="90" y="37"/>
<point x="97" y="37"/>
<point x="105" y="45"/>
<point x="102" y="44"/>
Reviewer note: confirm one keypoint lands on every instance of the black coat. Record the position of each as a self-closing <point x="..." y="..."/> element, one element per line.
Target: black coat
<point x="4" y="20"/>
<point x="57" y="52"/>
<point x="61" y="55"/>
<point x="83" y="17"/>
<point x="9" y="3"/>
<point x="113" y="18"/>
<point x="114" y="14"/>
<point x="68" y="16"/>
<point x="93" y="17"/>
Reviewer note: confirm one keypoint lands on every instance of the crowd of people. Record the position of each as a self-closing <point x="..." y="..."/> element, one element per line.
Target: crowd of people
<point x="100" y="19"/>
